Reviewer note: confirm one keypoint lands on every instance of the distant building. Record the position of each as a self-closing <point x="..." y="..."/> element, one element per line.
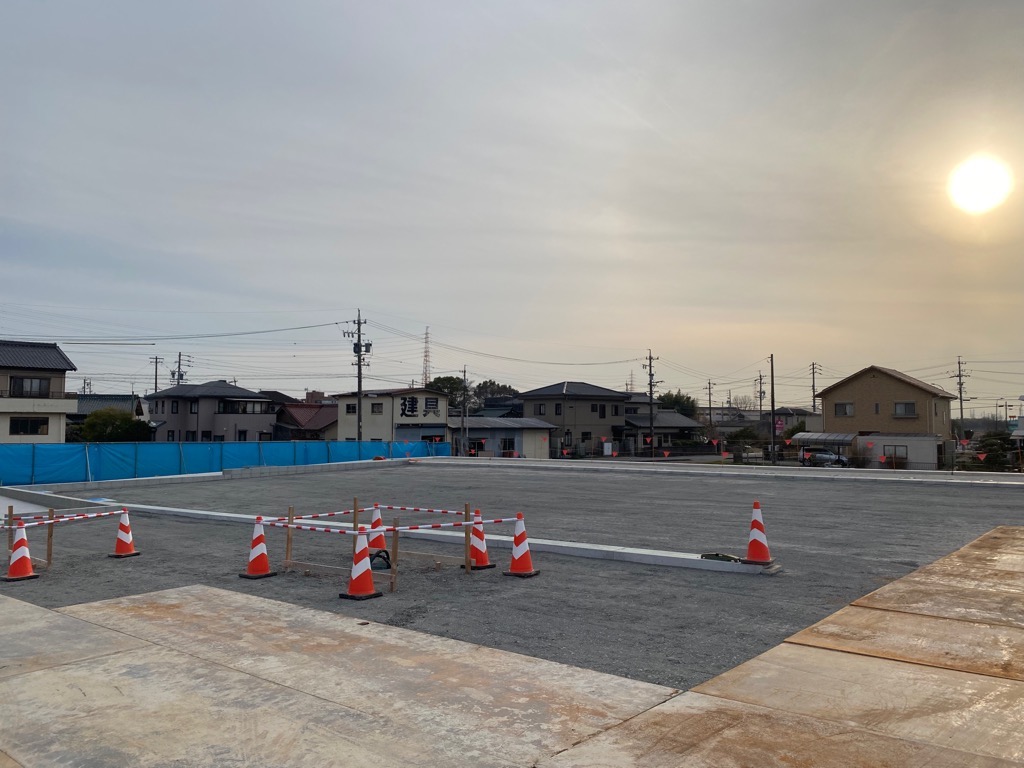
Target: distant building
<point x="306" y="421"/>
<point x="212" y="412"/>
<point x="34" y="404"/>
<point x="87" y="404"/>
<point x="585" y="415"/>
<point x="389" y="415"/>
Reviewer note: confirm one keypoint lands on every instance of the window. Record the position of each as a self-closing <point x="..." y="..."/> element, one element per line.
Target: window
<point x="163" y="406"/>
<point x="218" y="438"/>
<point x="350" y="408"/>
<point x="29" y="426"/>
<point x="207" y="436"/>
<point x="844" y="409"/>
<point x="508" y="445"/>
<point x="174" y="406"/>
<point x="877" y="409"/>
<point x="539" y="409"/>
<point x="190" y="436"/>
<point x="905" y="410"/>
<point x="377" y="408"/>
<point x="631" y="411"/>
<point x="602" y="411"/>
<point x="24" y="387"/>
<point x="615" y="410"/>
<point x="558" y="409"/>
<point x="170" y="435"/>
<point x="243" y="435"/>
<point x="193" y="406"/>
<point x="593" y="407"/>
<point x="584" y="436"/>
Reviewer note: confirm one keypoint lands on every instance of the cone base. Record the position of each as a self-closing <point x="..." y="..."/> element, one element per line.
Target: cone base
<point x="257" y="575"/>
<point x="522" y="574"/>
<point x="475" y="567"/>
<point x="21" y="578"/>
<point x="126" y="554"/>
<point x="757" y="562"/>
<point x="346" y="596"/>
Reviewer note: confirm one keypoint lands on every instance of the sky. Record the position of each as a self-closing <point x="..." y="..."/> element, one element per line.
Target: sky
<point x="554" y="190"/>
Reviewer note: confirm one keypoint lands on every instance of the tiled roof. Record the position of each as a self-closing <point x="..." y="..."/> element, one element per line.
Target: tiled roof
<point x="663" y="420"/>
<point x="932" y="390"/>
<point x="30" y="354"/>
<point x="310" y="415"/>
<point x="89" y="403"/>
<point x="574" y="389"/>
<point x="209" y="389"/>
<point x="487" y="422"/>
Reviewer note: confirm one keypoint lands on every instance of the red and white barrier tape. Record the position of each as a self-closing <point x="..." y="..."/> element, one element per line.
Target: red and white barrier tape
<point x="387" y="529"/>
<point x="65" y="519"/>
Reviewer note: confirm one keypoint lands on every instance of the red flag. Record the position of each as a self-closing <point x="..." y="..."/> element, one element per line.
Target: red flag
<point x="981" y="456"/>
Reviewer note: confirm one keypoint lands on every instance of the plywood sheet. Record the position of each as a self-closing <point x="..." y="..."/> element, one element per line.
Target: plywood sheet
<point x="699" y="731"/>
<point x="462" y="698"/>
<point x="37" y="638"/>
<point x="156" y="707"/>
<point x="941" y="707"/>
<point x="985" y="649"/>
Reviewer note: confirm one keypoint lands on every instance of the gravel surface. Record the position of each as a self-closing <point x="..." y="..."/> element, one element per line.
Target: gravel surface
<point x="836" y="538"/>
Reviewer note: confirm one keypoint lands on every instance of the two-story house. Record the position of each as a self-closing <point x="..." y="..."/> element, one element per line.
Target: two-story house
<point x="34" y="404"/>
<point x="886" y="418"/>
<point x="212" y="412"/>
<point x="390" y="415"/>
<point x="581" y="413"/>
<point x="669" y="425"/>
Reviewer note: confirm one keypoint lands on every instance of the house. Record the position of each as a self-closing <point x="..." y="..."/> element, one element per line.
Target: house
<point x="878" y="399"/>
<point x="34" y="404"/>
<point x="306" y="421"/>
<point x="389" y="415"/>
<point x="509" y="437"/>
<point x="670" y="426"/>
<point x="131" y="404"/>
<point x="882" y="418"/>
<point x="212" y="412"/>
<point x="583" y="414"/>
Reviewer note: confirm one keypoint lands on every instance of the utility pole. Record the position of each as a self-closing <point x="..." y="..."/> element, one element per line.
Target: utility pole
<point x="759" y="388"/>
<point x="771" y="358"/>
<point x="711" y="419"/>
<point x="464" y="438"/>
<point x="359" y="349"/>
<point x="156" y="372"/>
<point x="960" y="376"/>
<point x="815" y="369"/>
<point x="178" y="375"/>
<point x="650" y="393"/>
<point x="426" y="358"/>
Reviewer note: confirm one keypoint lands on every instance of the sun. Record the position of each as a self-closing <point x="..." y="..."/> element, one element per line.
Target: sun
<point x="979" y="184"/>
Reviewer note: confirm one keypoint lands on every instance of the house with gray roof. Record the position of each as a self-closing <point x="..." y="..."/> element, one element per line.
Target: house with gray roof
<point x="585" y="416"/>
<point x="34" y="401"/>
<point x="216" y="411"/>
<point x="507" y="437"/>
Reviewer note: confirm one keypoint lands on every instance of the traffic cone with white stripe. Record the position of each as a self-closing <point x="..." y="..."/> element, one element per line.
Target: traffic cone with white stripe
<point x="522" y="563"/>
<point x="360" y="583"/>
<point x="124" y="545"/>
<point x="757" y="546"/>
<point x="259" y="562"/>
<point x="20" y="567"/>
<point x="478" y="545"/>
<point x="377" y="540"/>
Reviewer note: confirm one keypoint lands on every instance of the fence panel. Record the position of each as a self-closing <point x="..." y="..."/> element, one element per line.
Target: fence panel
<point x="110" y="461"/>
<point x="239" y="455"/>
<point x="159" y="459"/>
<point x="59" y="463"/>
<point x="16" y="464"/>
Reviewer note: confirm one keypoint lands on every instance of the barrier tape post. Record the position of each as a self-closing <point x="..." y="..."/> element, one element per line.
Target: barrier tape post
<point x="355" y="523"/>
<point x="49" y="540"/>
<point x="10" y="528"/>
<point x="468" y="565"/>
<point x="394" y="557"/>
<point x="288" y="539"/>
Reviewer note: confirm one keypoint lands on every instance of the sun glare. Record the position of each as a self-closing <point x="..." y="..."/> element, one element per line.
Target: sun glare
<point x="979" y="184"/>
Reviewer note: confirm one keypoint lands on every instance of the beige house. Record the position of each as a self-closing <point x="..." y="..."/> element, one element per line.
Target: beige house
<point x="581" y="413"/>
<point x="883" y="400"/>
<point x="34" y="404"/>
<point x="389" y="415"/>
<point x="216" y="411"/>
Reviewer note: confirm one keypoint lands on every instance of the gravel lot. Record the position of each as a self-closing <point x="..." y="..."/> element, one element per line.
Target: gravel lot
<point x="837" y="537"/>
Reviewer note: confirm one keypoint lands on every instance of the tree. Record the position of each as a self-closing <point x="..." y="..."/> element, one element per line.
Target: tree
<point x="996" y="446"/>
<point x="110" y="425"/>
<point x="454" y="387"/>
<point x="491" y="388"/>
<point x="800" y="426"/>
<point x="744" y="403"/>
<point x="683" y="404"/>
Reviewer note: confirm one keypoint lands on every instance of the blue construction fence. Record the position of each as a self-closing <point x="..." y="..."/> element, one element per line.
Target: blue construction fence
<point x="37" y="463"/>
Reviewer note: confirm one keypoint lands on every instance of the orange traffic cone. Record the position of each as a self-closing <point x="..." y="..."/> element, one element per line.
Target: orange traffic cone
<point x="522" y="563"/>
<point x="124" y="546"/>
<point x="377" y="541"/>
<point x="478" y="545"/>
<point x="21" y="562"/>
<point x="360" y="584"/>
<point x="757" y="546"/>
<point x="259" y="562"/>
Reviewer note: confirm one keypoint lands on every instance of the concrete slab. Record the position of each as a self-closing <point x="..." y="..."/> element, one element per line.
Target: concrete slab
<point x="941" y="707"/>
<point x="699" y="731"/>
<point x="453" y="702"/>
<point x="35" y="638"/>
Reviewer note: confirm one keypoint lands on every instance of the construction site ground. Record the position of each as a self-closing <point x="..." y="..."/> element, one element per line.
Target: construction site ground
<point x="838" y="535"/>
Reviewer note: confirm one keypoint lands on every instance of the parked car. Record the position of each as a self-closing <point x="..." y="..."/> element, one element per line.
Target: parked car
<point x="822" y="457"/>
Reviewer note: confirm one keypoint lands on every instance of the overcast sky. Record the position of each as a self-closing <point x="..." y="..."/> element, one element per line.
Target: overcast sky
<point x="567" y="182"/>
